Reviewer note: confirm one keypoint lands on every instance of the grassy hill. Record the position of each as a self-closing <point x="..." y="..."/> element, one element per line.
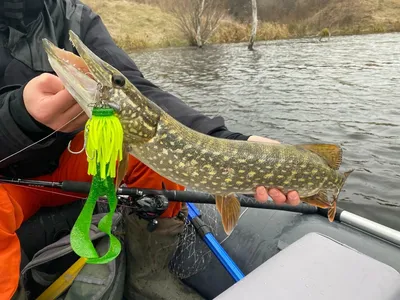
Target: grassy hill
<point x="136" y="25"/>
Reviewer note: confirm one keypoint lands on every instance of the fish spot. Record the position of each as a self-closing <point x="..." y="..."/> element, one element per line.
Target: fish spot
<point x="280" y="176"/>
<point x="266" y="176"/>
<point x="241" y="171"/>
<point x="314" y="171"/>
<point x="251" y="174"/>
<point x="301" y="179"/>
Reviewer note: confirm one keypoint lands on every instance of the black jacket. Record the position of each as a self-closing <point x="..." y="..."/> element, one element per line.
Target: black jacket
<point x="23" y="24"/>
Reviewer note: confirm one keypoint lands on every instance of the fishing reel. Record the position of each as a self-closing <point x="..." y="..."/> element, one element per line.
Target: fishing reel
<point x="147" y="207"/>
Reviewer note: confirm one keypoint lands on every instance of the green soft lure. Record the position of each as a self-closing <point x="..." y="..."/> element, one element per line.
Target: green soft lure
<point x="104" y="148"/>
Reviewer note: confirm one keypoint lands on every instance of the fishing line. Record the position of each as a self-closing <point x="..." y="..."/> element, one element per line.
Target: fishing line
<point x="41" y="140"/>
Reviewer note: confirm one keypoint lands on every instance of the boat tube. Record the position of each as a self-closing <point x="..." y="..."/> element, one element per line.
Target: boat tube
<point x="284" y="252"/>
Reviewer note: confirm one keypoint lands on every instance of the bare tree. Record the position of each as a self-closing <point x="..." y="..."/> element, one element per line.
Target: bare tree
<point x="198" y="19"/>
<point x="254" y="24"/>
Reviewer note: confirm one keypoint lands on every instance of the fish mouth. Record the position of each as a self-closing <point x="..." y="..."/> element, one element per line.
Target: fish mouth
<point x="84" y="75"/>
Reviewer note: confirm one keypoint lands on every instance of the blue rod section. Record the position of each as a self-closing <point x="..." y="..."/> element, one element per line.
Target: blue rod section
<point x="213" y="244"/>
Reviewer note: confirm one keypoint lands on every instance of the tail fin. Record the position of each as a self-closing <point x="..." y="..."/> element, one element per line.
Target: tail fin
<point x="332" y="210"/>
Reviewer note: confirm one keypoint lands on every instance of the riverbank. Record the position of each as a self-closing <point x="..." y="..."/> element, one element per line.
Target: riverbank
<point x="139" y="26"/>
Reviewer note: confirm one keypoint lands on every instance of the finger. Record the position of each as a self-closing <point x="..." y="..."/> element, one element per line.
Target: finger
<point x="293" y="198"/>
<point x="49" y="84"/>
<point x="76" y="124"/>
<point x="61" y="102"/>
<point x="75" y="116"/>
<point x="261" y="194"/>
<point x="277" y="196"/>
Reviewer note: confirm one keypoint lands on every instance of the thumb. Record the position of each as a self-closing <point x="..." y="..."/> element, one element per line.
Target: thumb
<point x="50" y="84"/>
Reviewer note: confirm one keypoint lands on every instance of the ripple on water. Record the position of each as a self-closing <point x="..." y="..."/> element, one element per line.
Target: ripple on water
<point x="345" y="91"/>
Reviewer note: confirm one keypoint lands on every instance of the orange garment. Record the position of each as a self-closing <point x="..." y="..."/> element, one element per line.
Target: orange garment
<point x="18" y="203"/>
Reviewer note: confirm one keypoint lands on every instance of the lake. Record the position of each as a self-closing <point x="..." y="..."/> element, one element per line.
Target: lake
<point x="345" y="91"/>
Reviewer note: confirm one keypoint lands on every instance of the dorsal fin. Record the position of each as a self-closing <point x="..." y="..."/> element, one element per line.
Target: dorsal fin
<point x="330" y="152"/>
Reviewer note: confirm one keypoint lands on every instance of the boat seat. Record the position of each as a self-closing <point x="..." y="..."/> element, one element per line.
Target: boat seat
<point x="318" y="267"/>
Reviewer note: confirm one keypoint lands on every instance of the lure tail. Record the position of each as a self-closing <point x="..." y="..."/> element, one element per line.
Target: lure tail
<point x="104" y="148"/>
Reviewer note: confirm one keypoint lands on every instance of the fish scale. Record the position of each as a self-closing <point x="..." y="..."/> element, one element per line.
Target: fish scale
<point x="218" y="166"/>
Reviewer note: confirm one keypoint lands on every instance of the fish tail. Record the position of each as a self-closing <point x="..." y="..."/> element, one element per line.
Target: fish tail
<point x="229" y="208"/>
<point x="332" y="209"/>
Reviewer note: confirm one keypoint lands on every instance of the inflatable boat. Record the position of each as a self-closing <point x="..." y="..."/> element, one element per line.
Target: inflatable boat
<point x="275" y="252"/>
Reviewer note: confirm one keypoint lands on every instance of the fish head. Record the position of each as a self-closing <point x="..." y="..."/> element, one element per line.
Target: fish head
<point x="93" y="82"/>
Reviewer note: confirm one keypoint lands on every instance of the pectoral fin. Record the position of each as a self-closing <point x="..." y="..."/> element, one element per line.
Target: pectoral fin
<point x="229" y="208"/>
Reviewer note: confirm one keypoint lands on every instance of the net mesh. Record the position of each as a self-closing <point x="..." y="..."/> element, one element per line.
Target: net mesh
<point x="192" y="254"/>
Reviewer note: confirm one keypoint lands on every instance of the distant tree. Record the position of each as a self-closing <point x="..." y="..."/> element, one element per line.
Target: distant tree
<point x="198" y="19"/>
<point x="254" y="24"/>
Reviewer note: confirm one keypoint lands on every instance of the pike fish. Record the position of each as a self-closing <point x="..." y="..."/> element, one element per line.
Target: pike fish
<point x="208" y="164"/>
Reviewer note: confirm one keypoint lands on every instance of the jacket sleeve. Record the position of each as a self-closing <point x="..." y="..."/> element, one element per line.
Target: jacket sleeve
<point x="18" y="129"/>
<point x="100" y="42"/>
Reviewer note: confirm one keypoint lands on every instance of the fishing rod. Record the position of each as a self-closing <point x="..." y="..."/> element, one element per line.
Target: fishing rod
<point x="341" y="216"/>
<point x="171" y="195"/>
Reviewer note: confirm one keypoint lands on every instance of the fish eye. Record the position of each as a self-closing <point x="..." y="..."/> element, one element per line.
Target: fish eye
<point x="118" y="80"/>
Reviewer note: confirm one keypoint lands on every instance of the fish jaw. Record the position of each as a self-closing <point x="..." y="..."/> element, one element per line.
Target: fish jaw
<point x="74" y="75"/>
<point x="93" y="83"/>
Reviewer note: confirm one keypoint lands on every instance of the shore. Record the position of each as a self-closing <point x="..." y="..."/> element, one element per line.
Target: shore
<point x="139" y="26"/>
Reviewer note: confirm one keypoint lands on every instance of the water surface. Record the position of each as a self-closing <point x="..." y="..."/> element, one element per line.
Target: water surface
<point x="344" y="91"/>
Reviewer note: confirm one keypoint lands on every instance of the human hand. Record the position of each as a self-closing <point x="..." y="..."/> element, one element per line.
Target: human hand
<point x="277" y="196"/>
<point x="49" y="103"/>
